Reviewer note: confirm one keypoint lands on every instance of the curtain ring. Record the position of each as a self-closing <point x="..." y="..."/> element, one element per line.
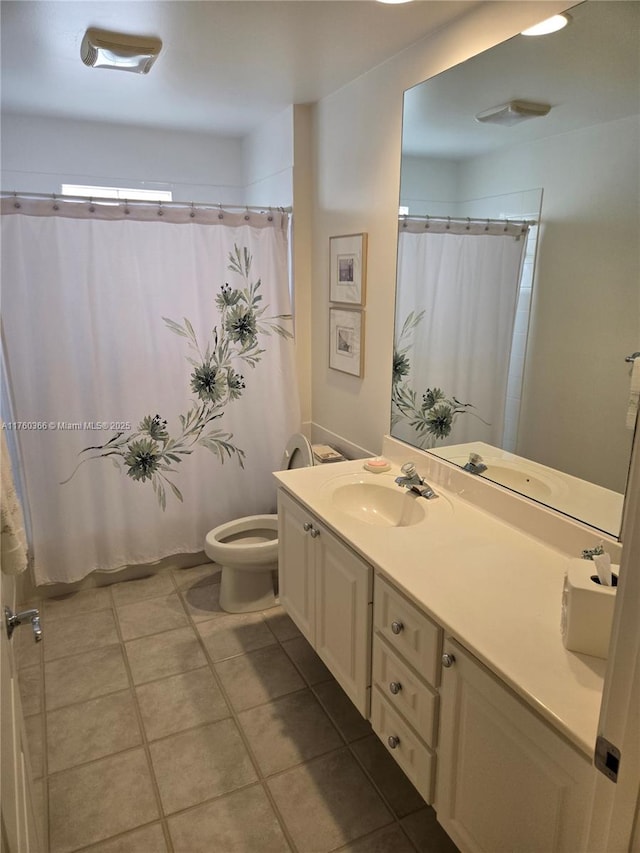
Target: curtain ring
<point x="486" y="227"/>
<point x="506" y="227"/>
<point x="468" y="228"/>
<point x="246" y="215"/>
<point x="56" y="206"/>
<point x="92" y="208"/>
<point x="160" y="210"/>
<point x="220" y="215"/>
<point x="16" y="203"/>
<point x="448" y="222"/>
<point x="126" y="207"/>
<point x="192" y="213"/>
<point x="270" y="216"/>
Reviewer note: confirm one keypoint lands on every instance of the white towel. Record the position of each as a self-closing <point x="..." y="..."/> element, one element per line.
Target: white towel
<point x="634" y="394"/>
<point x="13" y="539"/>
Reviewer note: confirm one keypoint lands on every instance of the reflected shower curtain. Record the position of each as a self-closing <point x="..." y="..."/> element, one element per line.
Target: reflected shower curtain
<point x="152" y="374"/>
<point x="455" y="311"/>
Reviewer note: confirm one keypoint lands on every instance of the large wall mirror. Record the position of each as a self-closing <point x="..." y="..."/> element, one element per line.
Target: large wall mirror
<point x="518" y="287"/>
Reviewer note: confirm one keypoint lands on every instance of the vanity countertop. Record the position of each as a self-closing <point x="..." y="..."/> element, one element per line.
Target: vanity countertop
<point x="489" y="585"/>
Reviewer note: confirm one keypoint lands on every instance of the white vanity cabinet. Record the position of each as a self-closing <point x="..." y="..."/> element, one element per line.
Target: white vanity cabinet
<point x="506" y="780"/>
<point x="327" y="589"/>
<point x="404" y="700"/>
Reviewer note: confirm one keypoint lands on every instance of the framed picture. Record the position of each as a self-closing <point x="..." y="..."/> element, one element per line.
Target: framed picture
<point x="346" y="340"/>
<point x="348" y="268"/>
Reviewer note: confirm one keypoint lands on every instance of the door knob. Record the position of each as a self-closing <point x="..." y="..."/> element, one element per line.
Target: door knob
<point x="448" y="660"/>
<point x="14" y="619"/>
<point x="307" y="526"/>
<point x="314" y="532"/>
<point x="395" y="687"/>
<point x="396" y="627"/>
<point x="393" y="741"/>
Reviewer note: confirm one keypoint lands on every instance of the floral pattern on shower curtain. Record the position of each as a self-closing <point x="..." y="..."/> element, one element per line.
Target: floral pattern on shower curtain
<point x="152" y="377"/>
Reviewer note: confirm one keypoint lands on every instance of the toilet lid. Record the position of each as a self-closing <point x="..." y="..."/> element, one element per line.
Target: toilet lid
<point x="298" y="453"/>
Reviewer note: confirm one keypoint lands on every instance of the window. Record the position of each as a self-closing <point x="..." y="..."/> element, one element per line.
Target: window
<point x="124" y="193"/>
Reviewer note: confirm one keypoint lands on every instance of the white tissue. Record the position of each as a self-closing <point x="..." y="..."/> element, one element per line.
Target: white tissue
<point x="603" y="568"/>
<point x="634" y="395"/>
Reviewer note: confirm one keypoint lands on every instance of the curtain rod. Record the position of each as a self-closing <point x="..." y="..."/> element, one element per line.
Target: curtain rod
<point x="464" y="220"/>
<point x="176" y="205"/>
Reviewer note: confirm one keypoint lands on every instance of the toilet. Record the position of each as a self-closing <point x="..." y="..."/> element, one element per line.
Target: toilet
<point x="247" y="548"/>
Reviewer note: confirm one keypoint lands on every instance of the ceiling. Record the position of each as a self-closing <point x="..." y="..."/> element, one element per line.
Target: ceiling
<point x="589" y="73"/>
<point x="225" y="67"/>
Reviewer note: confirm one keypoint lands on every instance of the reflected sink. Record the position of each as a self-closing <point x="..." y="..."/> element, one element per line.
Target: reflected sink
<point x="379" y="505"/>
<point x="521" y="481"/>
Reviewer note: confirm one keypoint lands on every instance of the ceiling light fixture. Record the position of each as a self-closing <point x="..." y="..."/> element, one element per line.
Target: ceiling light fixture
<point x="513" y="113"/>
<point x="549" y="25"/>
<point x="394" y="2"/>
<point x="102" y="49"/>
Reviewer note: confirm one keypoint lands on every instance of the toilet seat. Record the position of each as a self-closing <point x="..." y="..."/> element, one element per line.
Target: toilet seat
<point x="297" y="453"/>
<point x="260" y="552"/>
<point x="247" y="548"/>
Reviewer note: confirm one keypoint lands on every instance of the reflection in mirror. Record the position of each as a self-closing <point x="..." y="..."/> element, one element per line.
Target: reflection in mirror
<point x="511" y="337"/>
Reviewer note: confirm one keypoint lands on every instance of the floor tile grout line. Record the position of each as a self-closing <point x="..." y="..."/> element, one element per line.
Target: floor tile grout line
<point x="245" y="740"/>
<point x="89" y="847"/>
<point x="143" y="734"/>
<point x="396" y="818"/>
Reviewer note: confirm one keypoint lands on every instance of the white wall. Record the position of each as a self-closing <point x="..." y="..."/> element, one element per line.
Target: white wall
<point x="268" y="160"/>
<point x="586" y="281"/>
<point x="429" y="185"/>
<point x="357" y="134"/>
<point x="39" y="154"/>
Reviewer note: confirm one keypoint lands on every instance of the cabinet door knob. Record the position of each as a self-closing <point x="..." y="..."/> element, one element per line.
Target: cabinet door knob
<point x="314" y="532"/>
<point x="393" y="741"/>
<point x="307" y="526"/>
<point x="448" y="660"/>
<point x="395" y="687"/>
<point x="396" y="627"/>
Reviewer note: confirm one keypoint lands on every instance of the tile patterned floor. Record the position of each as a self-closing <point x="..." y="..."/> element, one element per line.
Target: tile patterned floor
<point x="157" y="723"/>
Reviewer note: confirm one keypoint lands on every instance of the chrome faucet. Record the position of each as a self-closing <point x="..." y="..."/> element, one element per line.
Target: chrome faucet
<point x="475" y="465"/>
<point x="414" y="482"/>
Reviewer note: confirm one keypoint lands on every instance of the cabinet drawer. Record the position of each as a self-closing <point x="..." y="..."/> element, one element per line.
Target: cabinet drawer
<point x="412" y="698"/>
<point x="416" y="759"/>
<point x="412" y="634"/>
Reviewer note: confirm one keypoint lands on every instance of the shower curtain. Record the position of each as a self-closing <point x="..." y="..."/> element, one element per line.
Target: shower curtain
<point x="456" y="301"/>
<point x="151" y="367"/>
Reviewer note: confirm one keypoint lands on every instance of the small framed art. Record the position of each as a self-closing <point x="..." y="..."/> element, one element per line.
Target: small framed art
<point x="346" y="340"/>
<point x="348" y="269"/>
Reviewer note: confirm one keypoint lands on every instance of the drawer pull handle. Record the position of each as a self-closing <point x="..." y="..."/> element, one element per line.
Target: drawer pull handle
<point x="396" y="627"/>
<point x="448" y="660"/>
<point x="307" y="526"/>
<point x="393" y="741"/>
<point x="395" y="687"/>
<point x="314" y="532"/>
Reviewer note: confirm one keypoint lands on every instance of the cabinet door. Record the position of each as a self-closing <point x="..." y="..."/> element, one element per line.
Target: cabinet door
<point x="295" y="565"/>
<point x="506" y="780"/>
<point x="343" y="613"/>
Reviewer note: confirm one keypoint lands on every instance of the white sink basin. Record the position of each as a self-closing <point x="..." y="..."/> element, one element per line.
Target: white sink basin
<point x="521" y="481"/>
<point x="380" y="505"/>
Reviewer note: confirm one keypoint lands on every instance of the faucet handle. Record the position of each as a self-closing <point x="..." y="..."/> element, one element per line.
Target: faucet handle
<point x="475" y="458"/>
<point x="409" y="469"/>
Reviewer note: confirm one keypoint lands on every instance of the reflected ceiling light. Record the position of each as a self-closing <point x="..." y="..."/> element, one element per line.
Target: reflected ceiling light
<point x="102" y="49"/>
<point x="513" y="113"/>
<point x="549" y="25"/>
